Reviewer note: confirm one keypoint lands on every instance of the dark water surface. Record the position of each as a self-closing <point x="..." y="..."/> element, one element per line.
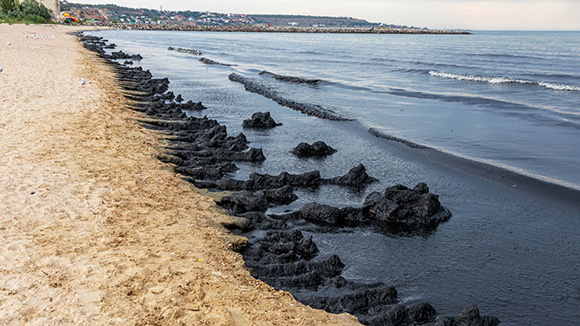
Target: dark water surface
<point x="510" y="100"/>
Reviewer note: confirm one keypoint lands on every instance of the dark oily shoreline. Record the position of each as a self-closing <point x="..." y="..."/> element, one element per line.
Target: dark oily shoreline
<point x="282" y="256"/>
<point x="278" y="29"/>
<point x="561" y="193"/>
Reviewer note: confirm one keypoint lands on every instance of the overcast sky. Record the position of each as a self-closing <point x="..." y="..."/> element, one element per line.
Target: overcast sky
<point x="469" y="14"/>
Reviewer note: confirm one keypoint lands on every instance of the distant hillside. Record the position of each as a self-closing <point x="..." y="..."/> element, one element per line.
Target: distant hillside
<point x="111" y="13"/>
<point x="307" y="21"/>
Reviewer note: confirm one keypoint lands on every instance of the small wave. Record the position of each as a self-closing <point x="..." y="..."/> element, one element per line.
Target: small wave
<point x="471" y="100"/>
<point x="503" y="80"/>
<point x="555" y="78"/>
<point x="488" y="79"/>
<point x="479" y="161"/>
<point x="212" y="62"/>
<point x="291" y="79"/>
<point x="390" y="62"/>
<point x="506" y="55"/>
<point x="312" y="52"/>
<point x="413" y="71"/>
<point x="560" y="87"/>
<point x="379" y="134"/>
<point x="411" y="298"/>
<point x="441" y="64"/>
<point x="564" y="118"/>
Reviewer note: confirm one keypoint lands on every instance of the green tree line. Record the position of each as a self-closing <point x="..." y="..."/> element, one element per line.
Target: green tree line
<point x="29" y="11"/>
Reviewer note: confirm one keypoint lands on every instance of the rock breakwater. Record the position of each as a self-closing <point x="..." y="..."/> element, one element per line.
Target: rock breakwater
<point x="309" y="109"/>
<point x="278" y="29"/>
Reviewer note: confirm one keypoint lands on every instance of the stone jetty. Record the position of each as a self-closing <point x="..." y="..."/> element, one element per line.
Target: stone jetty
<point x="278" y="29"/>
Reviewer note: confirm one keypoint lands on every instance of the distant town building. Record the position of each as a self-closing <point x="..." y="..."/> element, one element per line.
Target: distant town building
<point x="52" y="5"/>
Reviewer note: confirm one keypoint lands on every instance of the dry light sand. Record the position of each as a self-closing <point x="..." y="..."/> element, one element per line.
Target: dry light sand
<point x="94" y="230"/>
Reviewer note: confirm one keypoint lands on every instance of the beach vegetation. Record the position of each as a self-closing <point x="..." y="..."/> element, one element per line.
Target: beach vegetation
<point x="29" y="11"/>
<point x="8" y="5"/>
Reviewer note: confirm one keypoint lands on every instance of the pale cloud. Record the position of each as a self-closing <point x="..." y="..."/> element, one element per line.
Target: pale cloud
<point x="469" y="14"/>
<point x="555" y="15"/>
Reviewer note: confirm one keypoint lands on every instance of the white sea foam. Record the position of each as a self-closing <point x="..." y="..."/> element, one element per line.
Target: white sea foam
<point x="487" y="79"/>
<point x="560" y="87"/>
<point x="411" y="298"/>
<point x="503" y="80"/>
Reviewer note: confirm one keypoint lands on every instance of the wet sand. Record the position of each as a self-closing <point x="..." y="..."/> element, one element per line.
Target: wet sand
<point x="96" y="230"/>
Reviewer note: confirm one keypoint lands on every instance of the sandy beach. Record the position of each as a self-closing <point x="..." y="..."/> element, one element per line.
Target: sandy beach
<point x="95" y="230"/>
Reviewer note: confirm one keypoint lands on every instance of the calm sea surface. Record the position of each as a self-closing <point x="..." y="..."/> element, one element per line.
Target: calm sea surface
<point x="506" y="99"/>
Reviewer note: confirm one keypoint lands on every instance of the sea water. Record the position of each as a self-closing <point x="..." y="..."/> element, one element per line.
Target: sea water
<point x="509" y="100"/>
